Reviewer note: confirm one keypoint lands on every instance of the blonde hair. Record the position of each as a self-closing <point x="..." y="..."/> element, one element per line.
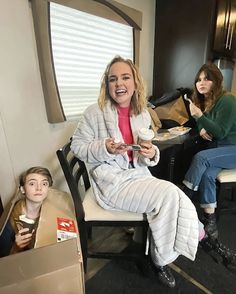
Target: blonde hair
<point x="138" y="100"/>
<point x="213" y="74"/>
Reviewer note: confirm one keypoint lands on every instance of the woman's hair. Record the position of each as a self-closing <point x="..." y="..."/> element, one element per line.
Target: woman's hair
<point x="213" y="74"/>
<point x="138" y="100"/>
<point x="36" y="170"/>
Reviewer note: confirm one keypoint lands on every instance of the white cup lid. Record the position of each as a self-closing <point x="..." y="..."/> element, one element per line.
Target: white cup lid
<point x="146" y="134"/>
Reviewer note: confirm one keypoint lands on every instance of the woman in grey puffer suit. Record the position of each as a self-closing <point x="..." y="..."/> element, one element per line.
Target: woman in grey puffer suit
<point x="122" y="184"/>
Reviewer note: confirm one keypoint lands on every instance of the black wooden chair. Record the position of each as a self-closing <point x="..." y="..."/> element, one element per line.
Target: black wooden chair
<point x="226" y="195"/>
<point x="89" y="214"/>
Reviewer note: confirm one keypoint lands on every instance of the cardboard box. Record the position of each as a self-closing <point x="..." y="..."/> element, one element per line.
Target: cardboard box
<point x="57" y="205"/>
<point x="52" y="266"/>
<point x="51" y="269"/>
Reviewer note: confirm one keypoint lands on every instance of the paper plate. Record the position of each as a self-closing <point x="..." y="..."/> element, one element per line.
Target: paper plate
<point x="164" y="136"/>
<point x="179" y="130"/>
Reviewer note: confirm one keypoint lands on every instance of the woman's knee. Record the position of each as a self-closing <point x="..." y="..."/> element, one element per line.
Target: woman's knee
<point x="173" y="192"/>
<point x="200" y="157"/>
<point x="210" y="174"/>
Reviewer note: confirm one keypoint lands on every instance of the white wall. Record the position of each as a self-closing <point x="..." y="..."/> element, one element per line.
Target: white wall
<point x="26" y="138"/>
<point x="147" y="37"/>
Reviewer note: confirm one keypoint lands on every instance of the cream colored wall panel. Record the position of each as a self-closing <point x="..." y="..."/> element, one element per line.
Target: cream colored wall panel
<point x="7" y="180"/>
<point x="146" y="38"/>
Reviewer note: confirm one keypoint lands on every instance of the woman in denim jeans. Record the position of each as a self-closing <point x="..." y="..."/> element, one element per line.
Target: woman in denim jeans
<point x="215" y="113"/>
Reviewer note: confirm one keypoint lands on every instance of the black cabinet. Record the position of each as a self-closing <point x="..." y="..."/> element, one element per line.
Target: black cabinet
<point x="225" y="30"/>
<point x="183" y="41"/>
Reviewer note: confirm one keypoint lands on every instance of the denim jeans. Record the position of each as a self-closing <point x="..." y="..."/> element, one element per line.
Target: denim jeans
<point x="206" y="164"/>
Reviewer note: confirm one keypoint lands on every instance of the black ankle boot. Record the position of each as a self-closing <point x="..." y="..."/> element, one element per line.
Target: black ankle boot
<point x="208" y="245"/>
<point x="210" y="226"/>
<point x="190" y="193"/>
<point x="165" y="276"/>
<point x="229" y="257"/>
<point x="219" y="252"/>
<point x="149" y="269"/>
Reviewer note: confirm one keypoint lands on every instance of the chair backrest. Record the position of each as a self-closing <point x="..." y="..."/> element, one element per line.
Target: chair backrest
<point x="74" y="170"/>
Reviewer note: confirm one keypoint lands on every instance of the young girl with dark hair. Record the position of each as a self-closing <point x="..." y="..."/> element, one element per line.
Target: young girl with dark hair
<point x="215" y="113"/>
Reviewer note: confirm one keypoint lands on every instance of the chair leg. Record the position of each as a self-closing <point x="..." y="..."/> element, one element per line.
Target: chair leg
<point x="89" y="232"/>
<point x="83" y="243"/>
<point x="234" y="194"/>
<point x="145" y="235"/>
<point x="222" y="191"/>
<point x="220" y="195"/>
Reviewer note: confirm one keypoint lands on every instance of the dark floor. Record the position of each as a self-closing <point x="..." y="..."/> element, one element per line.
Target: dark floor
<point x="204" y="274"/>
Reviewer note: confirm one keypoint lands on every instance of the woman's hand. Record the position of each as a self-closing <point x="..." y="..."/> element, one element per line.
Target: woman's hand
<point x="205" y="135"/>
<point x="195" y="111"/>
<point x="22" y="238"/>
<point x="115" y="148"/>
<point x="147" y="150"/>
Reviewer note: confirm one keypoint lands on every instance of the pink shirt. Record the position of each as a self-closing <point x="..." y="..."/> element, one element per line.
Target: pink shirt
<point x="125" y="127"/>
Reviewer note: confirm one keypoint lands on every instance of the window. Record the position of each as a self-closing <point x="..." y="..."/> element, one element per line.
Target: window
<point x="82" y="45"/>
<point x="75" y="41"/>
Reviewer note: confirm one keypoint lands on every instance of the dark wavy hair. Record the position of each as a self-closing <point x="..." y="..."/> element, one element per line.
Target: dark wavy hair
<point x="213" y="74"/>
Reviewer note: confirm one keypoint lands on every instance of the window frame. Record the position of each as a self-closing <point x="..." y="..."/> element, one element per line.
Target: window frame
<point x="108" y="9"/>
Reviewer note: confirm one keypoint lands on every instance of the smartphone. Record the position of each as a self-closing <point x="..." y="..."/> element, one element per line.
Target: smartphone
<point x="134" y="147"/>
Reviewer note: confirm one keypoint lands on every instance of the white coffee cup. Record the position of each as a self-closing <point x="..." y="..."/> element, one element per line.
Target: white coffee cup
<point x="145" y="135"/>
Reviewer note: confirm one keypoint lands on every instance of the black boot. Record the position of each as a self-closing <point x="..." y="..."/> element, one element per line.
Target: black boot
<point x="190" y="193"/>
<point x="165" y="276"/>
<point x="210" y="226"/>
<point x="219" y="252"/>
<point x="229" y="257"/>
<point x="208" y="245"/>
<point x="149" y="269"/>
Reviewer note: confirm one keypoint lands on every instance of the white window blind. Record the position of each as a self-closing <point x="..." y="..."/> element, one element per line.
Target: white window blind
<point x="82" y="46"/>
